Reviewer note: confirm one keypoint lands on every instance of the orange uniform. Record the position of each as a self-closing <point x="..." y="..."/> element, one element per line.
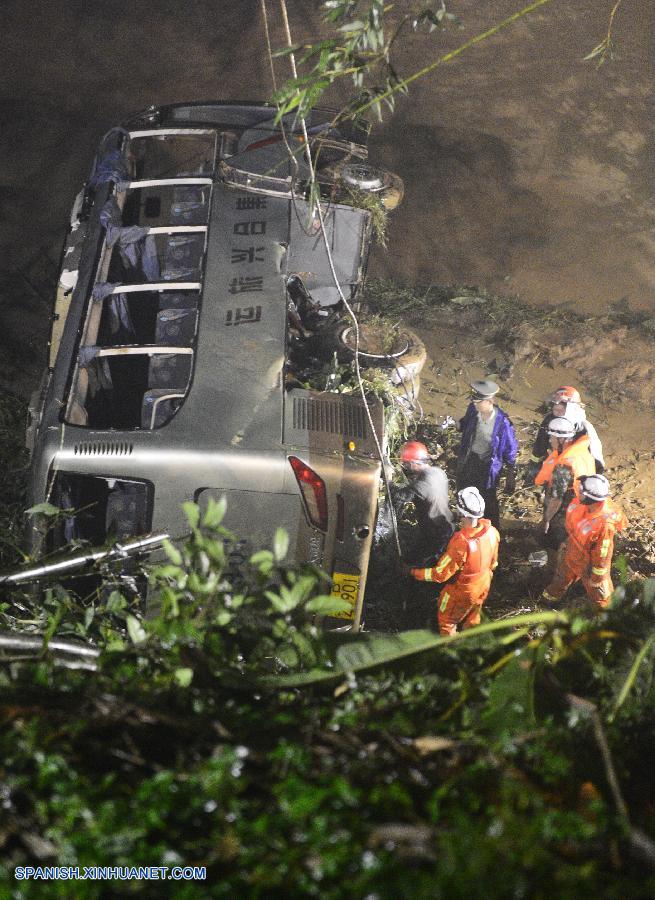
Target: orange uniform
<point x="470" y="558"/>
<point x="575" y="456"/>
<point x="589" y="547"/>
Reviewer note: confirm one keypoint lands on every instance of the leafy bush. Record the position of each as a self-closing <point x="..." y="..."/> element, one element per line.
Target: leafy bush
<point x="227" y="730"/>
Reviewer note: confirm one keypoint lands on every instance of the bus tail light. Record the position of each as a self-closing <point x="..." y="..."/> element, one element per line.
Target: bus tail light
<point x="314" y="494"/>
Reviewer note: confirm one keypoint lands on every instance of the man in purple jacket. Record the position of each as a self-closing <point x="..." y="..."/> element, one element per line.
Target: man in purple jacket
<point x="488" y="444"/>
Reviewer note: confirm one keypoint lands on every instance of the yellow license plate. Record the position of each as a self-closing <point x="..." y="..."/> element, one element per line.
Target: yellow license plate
<point x="346" y="587"/>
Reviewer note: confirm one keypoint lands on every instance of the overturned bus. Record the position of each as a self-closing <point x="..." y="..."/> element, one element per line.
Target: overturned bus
<point x="195" y="289"/>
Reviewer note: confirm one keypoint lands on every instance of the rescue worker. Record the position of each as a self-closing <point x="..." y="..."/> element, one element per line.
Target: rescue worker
<point x="591" y="523"/>
<point x="568" y="460"/>
<point x="488" y="443"/>
<point x="566" y="403"/>
<point x="427" y="489"/>
<point x="467" y="564"/>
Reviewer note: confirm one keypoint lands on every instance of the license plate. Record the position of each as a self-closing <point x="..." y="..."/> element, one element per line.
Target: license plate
<point x="346" y="587"/>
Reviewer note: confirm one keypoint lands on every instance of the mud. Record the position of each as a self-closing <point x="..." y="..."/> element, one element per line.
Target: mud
<point x="530" y="168"/>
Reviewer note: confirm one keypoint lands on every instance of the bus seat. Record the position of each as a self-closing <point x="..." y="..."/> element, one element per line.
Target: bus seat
<point x="169" y="370"/>
<point x="158" y="407"/>
<point x="175" y="327"/>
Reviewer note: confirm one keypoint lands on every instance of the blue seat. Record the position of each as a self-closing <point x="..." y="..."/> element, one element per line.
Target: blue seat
<point x="169" y="370"/>
<point x="175" y="327"/>
<point x="183" y="257"/>
<point x="158" y="407"/>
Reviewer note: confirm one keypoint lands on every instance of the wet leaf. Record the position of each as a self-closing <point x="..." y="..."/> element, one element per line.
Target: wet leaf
<point x="263" y="560"/>
<point x="44" y="509"/>
<point x="510" y="707"/>
<point x="427" y="745"/>
<point x="89" y="613"/>
<point x="632" y="675"/>
<point x="328" y="606"/>
<point x="280" y="544"/>
<point x="135" y="630"/>
<point x="214" y="513"/>
<point x="172" y="553"/>
<point x="192" y="512"/>
<point x="183" y="677"/>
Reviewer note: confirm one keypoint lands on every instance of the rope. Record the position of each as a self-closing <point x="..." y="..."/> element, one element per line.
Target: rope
<point x="290" y="150"/>
<point x="347" y="305"/>
<point x="268" y="45"/>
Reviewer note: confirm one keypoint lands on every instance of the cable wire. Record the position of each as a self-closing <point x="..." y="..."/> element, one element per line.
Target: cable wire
<point x="346" y="304"/>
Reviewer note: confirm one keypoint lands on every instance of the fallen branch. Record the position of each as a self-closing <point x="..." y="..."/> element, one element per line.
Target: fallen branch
<point x="641" y="845"/>
<point x="118" y="551"/>
<point x="66" y="654"/>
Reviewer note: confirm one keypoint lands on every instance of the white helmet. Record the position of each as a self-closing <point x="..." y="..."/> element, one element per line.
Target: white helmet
<point x="561" y="428"/>
<point x="470" y="503"/>
<point x="594" y="487"/>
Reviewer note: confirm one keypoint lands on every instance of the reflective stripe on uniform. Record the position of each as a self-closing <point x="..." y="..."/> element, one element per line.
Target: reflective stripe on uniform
<point x="604" y="548"/>
<point x="597" y="571"/>
<point x="443" y="562"/>
<point x="427" y="574"/>
<point x="444" y="602"/>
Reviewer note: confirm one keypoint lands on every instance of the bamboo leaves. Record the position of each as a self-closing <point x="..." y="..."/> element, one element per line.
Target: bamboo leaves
<point x="360" y="50"/>
<point x="373" y="651"/>
<point x="629" y="682"/>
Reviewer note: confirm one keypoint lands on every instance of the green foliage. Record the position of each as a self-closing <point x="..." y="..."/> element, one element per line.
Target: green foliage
<point x="224" y="729"/>
<point x="360" y="51"/>
<point x="510" y="707"/>
<point x="605" y="49"/>
<point x="44" y="509"/>
<point x="373" y="203"/>
<point x="420" y="305"/>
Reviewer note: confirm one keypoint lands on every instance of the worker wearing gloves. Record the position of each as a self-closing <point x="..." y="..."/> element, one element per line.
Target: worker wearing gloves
<point x="568" y="460"/>
<point x="488" y="444"/>
<point x="467" y="564"/>
<point x="591" y="523"/>
<point x="427" y="489"/>
<point x="567" y="403"/>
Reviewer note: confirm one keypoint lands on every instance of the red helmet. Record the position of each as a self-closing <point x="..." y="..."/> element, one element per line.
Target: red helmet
<point x="566" y="394"/>
<point x="414" y="451"/>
